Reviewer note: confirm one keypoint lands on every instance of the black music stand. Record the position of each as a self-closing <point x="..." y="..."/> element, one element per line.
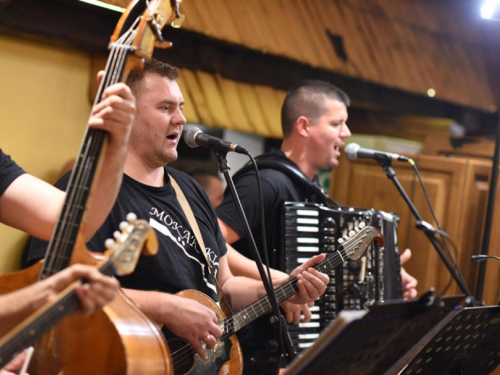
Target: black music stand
<point x="468" y="344"/>
<point x="360" y="342"/>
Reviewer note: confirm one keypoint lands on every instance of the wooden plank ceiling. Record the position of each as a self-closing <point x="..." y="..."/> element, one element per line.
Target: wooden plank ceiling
<point x="216" y="101"/>
<point x="409" y="46"/>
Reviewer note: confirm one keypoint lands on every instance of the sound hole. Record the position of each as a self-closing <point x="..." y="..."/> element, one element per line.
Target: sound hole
<point x="182" y="356"/>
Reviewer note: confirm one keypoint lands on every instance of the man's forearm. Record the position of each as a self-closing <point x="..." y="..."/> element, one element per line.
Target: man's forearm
<point x="242" y="291"/>
<point x="18" y="305"/>
<point x="156" y="305"/>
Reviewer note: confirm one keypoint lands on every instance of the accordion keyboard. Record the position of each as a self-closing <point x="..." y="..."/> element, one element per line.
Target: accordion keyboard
<point x="309" y="229"/>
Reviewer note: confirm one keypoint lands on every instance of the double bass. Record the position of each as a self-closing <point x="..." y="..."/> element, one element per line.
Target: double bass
<point x="120" y="338"/>
<point x="121" y="259"/>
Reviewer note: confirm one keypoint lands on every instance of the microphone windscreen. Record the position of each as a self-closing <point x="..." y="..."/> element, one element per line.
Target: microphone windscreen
<point x="190" y="137"/>
<point x="351" y="150"/>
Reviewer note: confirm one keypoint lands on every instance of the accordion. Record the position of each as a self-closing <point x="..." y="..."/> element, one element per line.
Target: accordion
<point x="309" y="229"/>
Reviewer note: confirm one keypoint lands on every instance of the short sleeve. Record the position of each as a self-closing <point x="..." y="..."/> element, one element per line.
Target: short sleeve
<point x="9" y="171"/>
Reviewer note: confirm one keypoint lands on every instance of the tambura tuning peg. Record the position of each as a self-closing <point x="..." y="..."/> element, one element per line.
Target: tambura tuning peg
<point x="109" y="243"/>
<point x="123" y="226"/>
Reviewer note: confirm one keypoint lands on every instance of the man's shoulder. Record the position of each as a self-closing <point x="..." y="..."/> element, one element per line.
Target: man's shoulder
<point x="275" y="176"/>
<point x="181" y="177"/>
<point x="189" y="186"/>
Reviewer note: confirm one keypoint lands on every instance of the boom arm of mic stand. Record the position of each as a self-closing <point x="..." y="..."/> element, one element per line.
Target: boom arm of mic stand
<point x="285" y="339"/>
<point x="391" y="175"/>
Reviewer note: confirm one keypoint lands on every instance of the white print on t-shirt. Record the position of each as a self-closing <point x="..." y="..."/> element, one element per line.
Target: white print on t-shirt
<point x="183" y="240"/>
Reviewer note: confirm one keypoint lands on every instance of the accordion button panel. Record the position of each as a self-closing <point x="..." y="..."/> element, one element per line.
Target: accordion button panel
<point x="309" y="229"/>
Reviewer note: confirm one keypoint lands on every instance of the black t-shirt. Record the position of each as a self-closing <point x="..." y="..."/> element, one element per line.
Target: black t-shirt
<point x="179" y="264"/>
<point x="9" y="171"/>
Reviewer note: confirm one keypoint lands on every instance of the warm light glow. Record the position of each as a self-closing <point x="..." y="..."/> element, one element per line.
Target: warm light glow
<point x="104" y="5"/>
<point x="431" y="93"/>
<point x="488" y="9"/>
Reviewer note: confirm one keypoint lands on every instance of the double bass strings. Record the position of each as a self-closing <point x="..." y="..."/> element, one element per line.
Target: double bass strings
<point x="82" y="174"/>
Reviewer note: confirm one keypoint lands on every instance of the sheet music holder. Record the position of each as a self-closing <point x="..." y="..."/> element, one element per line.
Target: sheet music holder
<point x="468" y="344"/>
<point x="370" y="342"/>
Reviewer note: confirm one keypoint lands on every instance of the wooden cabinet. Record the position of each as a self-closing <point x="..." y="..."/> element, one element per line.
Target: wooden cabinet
<point x="458" y="191"/>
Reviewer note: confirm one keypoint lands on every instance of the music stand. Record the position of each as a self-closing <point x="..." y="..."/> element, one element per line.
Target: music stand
<point x="360" y="342"/>
<point x="468" y="344"/>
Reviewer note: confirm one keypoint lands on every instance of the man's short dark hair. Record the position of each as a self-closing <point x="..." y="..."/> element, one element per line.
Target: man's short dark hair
<point x="307" y="98"/>
<point x="151" y="67"/>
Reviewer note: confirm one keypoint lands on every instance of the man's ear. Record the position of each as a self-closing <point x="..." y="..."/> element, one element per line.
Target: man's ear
<point x="302" y="125"/>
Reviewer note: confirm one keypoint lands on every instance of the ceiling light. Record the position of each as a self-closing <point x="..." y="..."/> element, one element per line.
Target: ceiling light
<point x="488" y="9"/>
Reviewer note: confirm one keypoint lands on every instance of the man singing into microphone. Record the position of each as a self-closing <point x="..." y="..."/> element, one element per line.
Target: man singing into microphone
<point x="314" y="124"/>
<point x="148" y="191"/>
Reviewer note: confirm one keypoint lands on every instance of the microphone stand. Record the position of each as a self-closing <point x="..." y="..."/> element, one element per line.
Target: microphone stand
<point x="285" y="339"/>
<point x="428" y="230"/>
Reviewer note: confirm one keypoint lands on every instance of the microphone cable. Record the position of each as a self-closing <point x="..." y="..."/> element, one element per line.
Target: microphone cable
<point x="442" y="233"/>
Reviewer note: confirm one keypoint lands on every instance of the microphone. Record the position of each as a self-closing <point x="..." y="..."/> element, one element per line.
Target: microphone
<point x="355" y="151"/>
<point x="194" y="137"/>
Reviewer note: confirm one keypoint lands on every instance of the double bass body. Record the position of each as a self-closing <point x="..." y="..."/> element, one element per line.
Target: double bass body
<point x="119" y="339"/>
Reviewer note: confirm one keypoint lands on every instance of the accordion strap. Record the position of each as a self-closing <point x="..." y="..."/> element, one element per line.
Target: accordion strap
<point x="283" y="164"/>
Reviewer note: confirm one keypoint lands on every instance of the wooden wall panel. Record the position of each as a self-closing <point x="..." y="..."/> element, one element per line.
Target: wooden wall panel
<point x="458" y="190"/>
<point x="491" y="290"/>
<point x="364" y="184"/>
<point x="474" y="214"/>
